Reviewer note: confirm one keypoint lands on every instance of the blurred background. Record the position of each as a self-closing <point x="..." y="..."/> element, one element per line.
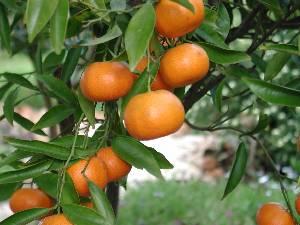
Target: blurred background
<point x="192" y="191"/>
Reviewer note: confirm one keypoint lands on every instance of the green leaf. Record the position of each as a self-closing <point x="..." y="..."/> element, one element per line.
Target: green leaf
<point x="6" y="190"/>
<point x="4" y="29"/>
<point x="139" y="33"/>
<point x="48" y="182"/>
<point x="287" y="48"/>
<point x="13" y="157"/>
<point x="49" y="149"/>
<point x="118" y="4"/>
<point x="18" y="79"/>
<point x="273" y="5"/>
<point x="136" y="154"/>
<point x="275" y="65"/>
<point x="8" y="107"/>
<point x="27" y="172"/>
<point x="209" y="33"/>
<point x="87" y="106"/>
<point x="236" y="71"/>
<point x="223" y="56"/>
<point x="238" y="169"/>
<point x="38" y="13"/>
<point x="58" y="88"/>
<point x="99" y="7"/>
<point x="161" y="159"/>
<point x="4" y="89"/>
<point x="272" y="93"/>
<point x="186" y="4"/>
<point x="53" y="60"/>
<point x="110" y="35"/>
<point x="27" y="124"/>
<point x="58" y="25"/>
<point x="294" y="84"/>
<point x="70" y="63"/>
<point x="141" y="84"/>
<point x="75" y="214"/>
<point x="55" y="115"/>
<point x="218" y="97"/>
<point x="102" y="204"/>
<point x="67" y="141"/>
<point x="25" y="217"/>
<point x="262" y="123"/>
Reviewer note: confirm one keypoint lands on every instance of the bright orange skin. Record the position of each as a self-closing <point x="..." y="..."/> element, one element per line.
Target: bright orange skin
<point x="96" y="171"/>
<point x="106" y="81"/>
<point x="28" y="198"/>
<point x="174" y="20"/>
<point x="273" y="214"/>
<point x="154" y="114"/>
<point x="184" y="65"/>
<point x="59" y="219"/>
<point x="297" y="204"/>
<point x="158" y="83"/>
<point x="116" y="167"/>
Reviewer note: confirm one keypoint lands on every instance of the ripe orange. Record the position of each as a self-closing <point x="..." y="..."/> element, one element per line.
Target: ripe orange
<point x="95" y="171"/>
<point x="183" y="65"/>
<point x="273" y="214"/>
<point x="116" y="167"/>
<point x="297" y="204"/>
<point x="106" y="81"/>
<point x="158" y="83"/>
<point x="174" y="20"/>
<point x="28" y="198"/>
<point x="154" y="114"/>
<point x="58" y="219"/>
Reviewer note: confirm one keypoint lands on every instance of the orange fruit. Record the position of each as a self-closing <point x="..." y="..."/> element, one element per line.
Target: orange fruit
<point x="88" y="204"/>
<point x="154" y="114"/>
<point x="95" y="171"/>
<point x="58" y="219"/>
<point x="116" y="167"/>
<point x="106" y="81"/>
<point x="28" y="198"/>
<point x="174" y="20"/>
<point x="158" y="83"/>
<point x="273" y="214"/>
<point x="183" y="65"/>
<point x="297" y="204"/>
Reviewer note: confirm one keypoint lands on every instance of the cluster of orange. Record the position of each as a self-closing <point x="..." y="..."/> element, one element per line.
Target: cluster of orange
<point x="275" y="214"/>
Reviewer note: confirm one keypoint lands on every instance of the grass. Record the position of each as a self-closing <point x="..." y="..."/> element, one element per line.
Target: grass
<point x="192" y="203"/>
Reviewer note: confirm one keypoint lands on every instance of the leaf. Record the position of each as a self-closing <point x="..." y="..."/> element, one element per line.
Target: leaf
<point x="13" y="157"/>
<point x="87" y="106"/>
<point x="262" y="123"/>
<point x="272" y="93"/>
<point x="74" y="214"/>
<point x="136" y="154"/>
<point x="8" y="107"/>
<point x="27" y="216"/>
<point x="223" y="56"/>
<point x="18" y="79"/>
<point x="161" y="159"/>
<point x="6" y="190"/>
<point x="38" y="13"/>
<point x="48" y="182"/>
<point x="117" y="4"/>
<point x="238" y="169"/>
<point x="102" y="204"/>
<point x="27" y="124"/>
<point x="58" y="25"/>
<point x="27" y="172"/>
<point x="139" y="33"/>
<point x="236" y="71"/>
<point x="55" y="115"/>
<point x="58" y="88"/>
<point x="209" y="33"/>
<point x="223" y="20"/>
<point x="273" y="5"/>
<point x="70" y="63"/>
<point x="5" y="30"/>
<point x="53" y="60"/>
<point x="99" y="7"/>
<point x="4" y="89"/>
<point x="48" y="149"/>
<point x="186" y="4"/>
<point x="275" y="65"/>
<point x="287" y="48"/>
<point x="218" y="97"/>
<point x="67" y="141"/>
<point x="110" y="35"/>
<point x="141" y="84"/>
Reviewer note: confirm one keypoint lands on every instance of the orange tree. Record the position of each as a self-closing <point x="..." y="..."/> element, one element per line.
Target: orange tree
<point x="145" y="64"/>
